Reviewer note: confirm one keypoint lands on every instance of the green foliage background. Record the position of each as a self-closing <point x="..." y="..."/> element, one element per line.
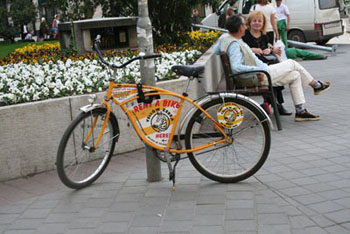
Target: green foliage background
<point x="167" y="16"/>
<point x="21" y="12"/>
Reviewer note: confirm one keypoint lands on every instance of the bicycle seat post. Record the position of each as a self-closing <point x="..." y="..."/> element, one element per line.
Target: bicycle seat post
<point x="190" y="78"/>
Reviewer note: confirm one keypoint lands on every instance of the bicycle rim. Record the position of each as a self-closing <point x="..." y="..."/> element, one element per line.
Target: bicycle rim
<point x="79" y="164"/>
<point x="229" y="162"/>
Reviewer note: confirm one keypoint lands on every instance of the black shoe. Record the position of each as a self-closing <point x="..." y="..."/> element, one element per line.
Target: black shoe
<point x="306" y="116"/>
<point x="324" y="86"/>
<point x="282" y="110"/>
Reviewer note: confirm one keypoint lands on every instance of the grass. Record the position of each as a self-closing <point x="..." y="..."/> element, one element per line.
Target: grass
<point x="6" y="48"/>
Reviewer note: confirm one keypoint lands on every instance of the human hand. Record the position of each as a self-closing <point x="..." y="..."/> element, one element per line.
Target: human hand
<point x="267" y="51"/>
<point x="277" y="50"/>
<point x="257" y="51"/>
<point x="260" y="76"/>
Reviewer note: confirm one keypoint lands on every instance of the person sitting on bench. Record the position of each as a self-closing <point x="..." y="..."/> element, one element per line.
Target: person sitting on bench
<point x="288" y="72"/>
<point x="257" y="39"/>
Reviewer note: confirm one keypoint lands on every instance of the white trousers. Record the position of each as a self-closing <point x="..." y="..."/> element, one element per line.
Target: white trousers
<point x="290" y="73"/>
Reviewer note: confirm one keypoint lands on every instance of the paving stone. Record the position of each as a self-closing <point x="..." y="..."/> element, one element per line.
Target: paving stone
<point x="240" y="226"/>
<point x="345" y="202"/>
<point x="80" y="231"/>
<point x="176" y="226"/>
<point x="208" y="220"/>
<point x="84" y="223"/>
<point x="110" y="217"/>
<point x="146" y="221"/>
<point x="340" y="216"/>
<point x="325" y="207"/>
<point x="295" y="191"/>
<point x="309" y="199"/>
<point x="7" y="218"/>
<point x="315" y="230"/>
<point x="210" y="209"/>
<point x="301" y="221"/>
<point x="239" y="214"/>
<point x="26" y="224"/>
<point x="322" y="221"/>
<point x="231" y="204"/>
<point x="124" y="207"/>
<point x="113" y="228"/>
<point x="337" y="229"/>
<point x="274" y="229"/>
<point x="179" y="215"/>
<point x="52" y="228"/>
<point x="90" y="212"/>
<point x="240" y="195"/>
<point x="272" y="219"/>
<point x="19" y="232"/>
<point x="35" y="213"/>
<point x="211" y="199"/>
<point x="207" y="230"/>
<point x="143" y="230"/>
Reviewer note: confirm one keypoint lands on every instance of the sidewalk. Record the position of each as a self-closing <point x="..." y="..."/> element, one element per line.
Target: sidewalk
<point x="304" y="187"/>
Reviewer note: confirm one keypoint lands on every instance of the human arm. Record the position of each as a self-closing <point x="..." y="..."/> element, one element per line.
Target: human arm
<point x="274" y="25"/>
<point x="257" y="51"/>
<point x="216" y="48"/>
<point x="236" y="60"/>
<point x="288" y="20"/>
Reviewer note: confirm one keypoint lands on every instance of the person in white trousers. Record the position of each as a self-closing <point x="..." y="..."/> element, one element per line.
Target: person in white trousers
<point x="289" y="72"/>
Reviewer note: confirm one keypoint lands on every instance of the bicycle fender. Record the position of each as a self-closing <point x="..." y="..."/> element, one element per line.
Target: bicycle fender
<point x="90" y="107"/>
<point x="212" y="96"/>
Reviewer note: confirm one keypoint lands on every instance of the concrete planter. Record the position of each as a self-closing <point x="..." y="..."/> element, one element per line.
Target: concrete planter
<point x="30" y="132"/>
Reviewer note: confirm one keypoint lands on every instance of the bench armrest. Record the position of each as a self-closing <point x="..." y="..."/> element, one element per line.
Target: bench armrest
<point x="255" y="71"/>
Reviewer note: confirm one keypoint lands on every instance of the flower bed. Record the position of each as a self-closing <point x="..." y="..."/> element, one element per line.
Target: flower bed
<point x="35" y="72"/>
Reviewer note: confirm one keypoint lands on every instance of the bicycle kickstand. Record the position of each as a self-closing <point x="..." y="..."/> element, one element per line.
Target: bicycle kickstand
<point x="172" y="168"/>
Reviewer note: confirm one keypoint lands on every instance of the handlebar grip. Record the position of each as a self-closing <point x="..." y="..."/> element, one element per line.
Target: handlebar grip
<point x="151" y="56"/>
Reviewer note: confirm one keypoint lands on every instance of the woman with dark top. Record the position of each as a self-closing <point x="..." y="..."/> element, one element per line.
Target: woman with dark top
<point x="255" y="36"/>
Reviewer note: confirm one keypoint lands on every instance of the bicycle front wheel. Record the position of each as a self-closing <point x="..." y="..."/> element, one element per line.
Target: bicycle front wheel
<point x="234" y="161"/>
<point x="78" y="163"/>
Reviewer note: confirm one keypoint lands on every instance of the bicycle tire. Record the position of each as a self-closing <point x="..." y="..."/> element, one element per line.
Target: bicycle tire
<point x="72" y="155"/>
<point x="235" y="157"/>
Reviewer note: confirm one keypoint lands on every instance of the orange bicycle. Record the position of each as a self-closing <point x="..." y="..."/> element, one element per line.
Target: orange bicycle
<point x="225" y="135"/>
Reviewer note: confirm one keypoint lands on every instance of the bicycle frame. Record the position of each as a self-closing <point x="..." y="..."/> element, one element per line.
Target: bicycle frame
<point x="125" y="95"/>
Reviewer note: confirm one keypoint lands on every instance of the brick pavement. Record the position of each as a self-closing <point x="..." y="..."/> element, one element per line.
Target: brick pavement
<point x="304" y="187"/>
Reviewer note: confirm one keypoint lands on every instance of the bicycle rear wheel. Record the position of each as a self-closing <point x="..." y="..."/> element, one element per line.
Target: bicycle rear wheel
<point x="244" y="124"/>
<point x="78" y="163"/>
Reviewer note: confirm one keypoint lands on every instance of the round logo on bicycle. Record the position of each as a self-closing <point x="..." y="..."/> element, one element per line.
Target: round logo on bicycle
<point x="230" y="115"/>
<point x="160" y="121"/>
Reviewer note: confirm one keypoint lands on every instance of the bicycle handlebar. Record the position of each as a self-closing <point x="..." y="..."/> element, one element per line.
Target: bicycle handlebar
<point x="99" y="54"/>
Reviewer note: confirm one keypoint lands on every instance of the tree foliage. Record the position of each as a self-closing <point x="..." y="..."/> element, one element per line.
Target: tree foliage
<point x="22" y="12"/>
<point x="7" y="31"/>
<point x="76" y="9"/>
<point x="167" y="16"/>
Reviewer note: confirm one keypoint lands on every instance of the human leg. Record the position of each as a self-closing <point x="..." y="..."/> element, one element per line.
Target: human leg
<point x="282" y="31"/>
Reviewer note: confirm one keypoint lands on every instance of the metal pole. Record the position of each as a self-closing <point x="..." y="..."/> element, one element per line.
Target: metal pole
<point x="209" y="27"/>
<point x="145" y="42"/>
<point x="332" y="49"/>
<point x="295" y="43"/>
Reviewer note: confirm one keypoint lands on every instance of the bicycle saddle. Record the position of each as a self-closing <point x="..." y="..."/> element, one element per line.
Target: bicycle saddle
<point x="188" y="70"/>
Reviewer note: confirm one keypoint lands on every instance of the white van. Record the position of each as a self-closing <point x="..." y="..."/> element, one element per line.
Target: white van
<point x="311" y="20"/>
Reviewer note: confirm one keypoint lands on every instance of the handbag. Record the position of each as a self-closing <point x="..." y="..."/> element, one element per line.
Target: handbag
<point x="269" y="58"/>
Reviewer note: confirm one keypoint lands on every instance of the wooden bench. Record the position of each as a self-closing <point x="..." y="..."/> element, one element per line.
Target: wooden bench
<point x="265" y="91"/>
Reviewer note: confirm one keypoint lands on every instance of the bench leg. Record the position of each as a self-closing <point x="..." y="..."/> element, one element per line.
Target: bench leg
<point x="276" y="114"/>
